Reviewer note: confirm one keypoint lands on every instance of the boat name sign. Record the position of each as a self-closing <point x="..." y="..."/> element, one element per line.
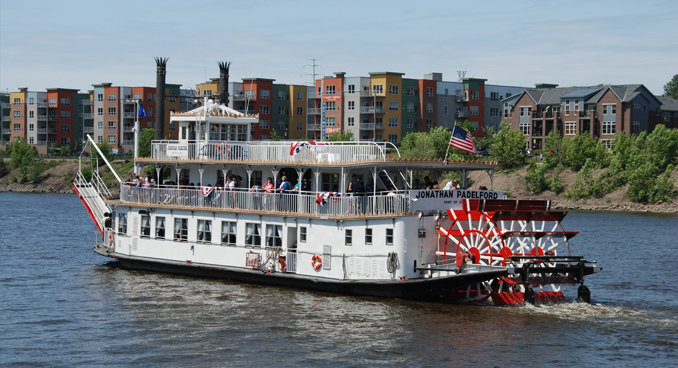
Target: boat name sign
<point x="428" y="200"/>
<point x="177" y="150"/>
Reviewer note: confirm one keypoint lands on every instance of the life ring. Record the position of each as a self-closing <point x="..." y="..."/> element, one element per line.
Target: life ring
<point x="225" y="147"/>
<point x="316" y="261"/>
<point x="282" y="264"/>
<point x="110" y="238"/>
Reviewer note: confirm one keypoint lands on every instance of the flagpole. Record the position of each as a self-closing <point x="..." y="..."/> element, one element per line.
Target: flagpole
<point x="448" y="144"/>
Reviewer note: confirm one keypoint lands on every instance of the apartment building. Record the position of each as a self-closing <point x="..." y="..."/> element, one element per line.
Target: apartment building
<point x="5" y="119"/>
<point x="600" y="111"/>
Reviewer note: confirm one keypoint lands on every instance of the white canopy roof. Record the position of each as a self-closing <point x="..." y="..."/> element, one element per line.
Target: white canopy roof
<point x="215" y="113"/>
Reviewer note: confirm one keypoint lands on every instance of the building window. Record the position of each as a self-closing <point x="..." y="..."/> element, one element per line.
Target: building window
<point x="31" y="140"/>
<point x="571" y="128"/>
<point x="111" y="125"/>
<point x="65" y="128"/>
<point x="394" y="89"/>
<point x="429" y="123"/>
<point x="329" y="122"/>
<point x="393" y="138"/>
<point x="473" y="94"/>
<point x="635" y="127"/>
<point x="31" y="114"/>
<point x="111" y="139"/>
<point x="31" y="127"/>
<point x="100" y="139"/>
<point x="263" y="124"/>
<point x="281" y="95"/>
<point x="429" y="91"/>
<point x="410" y="107"/>
<point x="65" y="102"/>
<point x="474" y="110"/>
<point x="17" y="101"/>
<point x="525" y="128"/>
<point x="351" y="88"/>
<point x="281" y="110"/>
<point x="348" y="238"/>
<point x="474" y="125"/>
<point x="393" y="122"/>
<point x="302" y="234"/>
<point x="17" y="114"/>
<point x="429" y="107"/>
<point x="228" y="233"/>
<point x="329" y="106"/>
<point x="264" y="94"/>
<point x="368" y="236"/>
<point x="100" y="125"/>
<point x="494" y="96"/>
<point x="410" y="123"/>
<point x="300" y="96"/>
<point x="122" y="223"/>
<point x="378" y="122"/>
<point x="253" y="235"/>
<point x="145" y="226"/>
<point x="378" y="89"/>
<point x="410" y="90"/>
<point x="389" y="236"/>
<point x="111" y="97"/>
<point x="180" y="229"/>
<point x="667" y="116"/>
<point x="204" y="234"/>
<point x="609" y="127"/>
<point x="330" y="90"/>
<point x="281" y="125"/>
<point x="300" y="125"/>
<point x="160" y="227"/>
<point x="52" y="101"/>
<point x="300" y="111"/>
<point x="351" y="122"/>
<point x="393" y="106"/>
<point x="263" y="109"/>
<point x="100" y="111"/>
<point x="494" y="111"/>
<point x="111" y="111"/>
<point x="65" y="115"/>
<point x="351" y="105"/>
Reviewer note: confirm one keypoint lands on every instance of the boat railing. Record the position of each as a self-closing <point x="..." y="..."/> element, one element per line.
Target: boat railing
<point x="301" y="203"/>
<point x="274" y="151"/>
<point x="99" y="184"/>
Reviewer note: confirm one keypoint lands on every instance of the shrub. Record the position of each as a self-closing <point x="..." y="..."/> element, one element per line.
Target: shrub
<point x="535" y="181"/>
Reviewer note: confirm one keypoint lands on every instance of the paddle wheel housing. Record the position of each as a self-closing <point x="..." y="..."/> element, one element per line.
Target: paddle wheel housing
<point x="522" y="235"/>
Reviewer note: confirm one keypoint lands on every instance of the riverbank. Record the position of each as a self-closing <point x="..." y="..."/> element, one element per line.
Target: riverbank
<point x="61" y="176"/>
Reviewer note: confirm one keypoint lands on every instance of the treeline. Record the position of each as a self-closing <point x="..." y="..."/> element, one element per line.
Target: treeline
<point x="644" y="162"/>
<point x="25" y="157"/>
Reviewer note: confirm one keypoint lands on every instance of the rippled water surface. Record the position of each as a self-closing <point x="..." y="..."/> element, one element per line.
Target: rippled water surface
<point x="61" y="305"/>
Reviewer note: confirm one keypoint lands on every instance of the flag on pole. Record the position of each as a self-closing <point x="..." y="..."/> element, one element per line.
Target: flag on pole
<point x="142" y="112"/>
<point x="462" y="140"/>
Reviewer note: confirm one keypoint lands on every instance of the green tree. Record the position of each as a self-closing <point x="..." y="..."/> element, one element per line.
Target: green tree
<point x="146" y="138"/>
<point x="341" y="136"/>
<point x="23" y="154"/>
<point x="432" y="144"/>
<point x="275" y="136"/>
<point x="105" y="149"/>
<point x="65" y="150"/>
<point x="508" y="147"/>
<point x="671" y="88"/>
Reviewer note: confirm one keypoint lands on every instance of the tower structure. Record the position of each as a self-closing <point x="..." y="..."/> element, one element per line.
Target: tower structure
<point x="161" y="64"/>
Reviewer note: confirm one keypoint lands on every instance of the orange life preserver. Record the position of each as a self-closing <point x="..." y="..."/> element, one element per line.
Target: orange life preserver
<point x="317" y="261"/>
<point x="282" y="264"/>
<point x="110" y="238"/>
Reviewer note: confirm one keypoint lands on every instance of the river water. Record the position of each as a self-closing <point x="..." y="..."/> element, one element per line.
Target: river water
<point x="61" y="305"/>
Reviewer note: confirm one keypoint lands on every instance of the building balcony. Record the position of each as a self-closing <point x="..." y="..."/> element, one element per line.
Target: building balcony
<point x="52" y="118"/>
<point x="128" y="115"/>
<point x="88" y="130"/>
<point x="129" y="101"/>
<point x="128" y="129"/>
<point x="461" y="114"/>
<point x="314" y="111"/>
<point x="5" y="105"/>
<point x="367" y="93"/>
<point x="314" y="95"/>
<point x="6" y="131"/>
<point x="42" y="105"/>
<point x="86" y="102"/>
<point x="371" y="110"/>
<point x="6" y="118"/>
<point x="42" y="143"/>
<point x="4" y="143"/>
<point x="128" y="142"/>
<point x="42" y="117"/>
<point x="52" y="131"/>
<point x="366" y="126"/>
<point x="312" y="127"/>
<point x="42" y="130"/>
<point x="238" y="98"/>
<point x="87" y="115"/>
<point x="462" y="97"/>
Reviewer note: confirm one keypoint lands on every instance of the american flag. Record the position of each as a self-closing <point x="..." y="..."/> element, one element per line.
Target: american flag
<point x="296" y="146"/>
<point x="462" y="140"/>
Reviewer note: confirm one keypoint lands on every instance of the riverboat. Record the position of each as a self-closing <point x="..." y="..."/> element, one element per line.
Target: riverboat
<point x="391" y="240"/>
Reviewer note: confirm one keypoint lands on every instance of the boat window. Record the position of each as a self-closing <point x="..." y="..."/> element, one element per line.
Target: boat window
<point x="204" y="231"/>
<point x="349" y="237"/>
<point x="330" y="183"/>
<point x="122" y="223"/>
<point x="145" y="226"/>
<point x="180" y="229"/>
<point x="302" y="234"/>
<point x="368" y="236"/>
<point x="228" y="233"/>
<point x="160" y="228"/>
<point x="389" y="236"/>
<point x="253" y="235"/>
<point x="274" y="235"/>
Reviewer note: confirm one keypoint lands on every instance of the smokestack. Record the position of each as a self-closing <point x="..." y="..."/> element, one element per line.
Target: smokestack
<point x="161" y="63"/>
<point x="223" y="82"/>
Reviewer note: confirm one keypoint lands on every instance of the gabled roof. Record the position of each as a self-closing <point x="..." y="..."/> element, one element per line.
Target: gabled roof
<point x="668" y="103"/>
<point x="582" y="93"/>
<point x="591" y="94"/>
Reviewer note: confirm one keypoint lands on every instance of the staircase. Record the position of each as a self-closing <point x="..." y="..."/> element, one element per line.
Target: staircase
<point x="92" y="195"/>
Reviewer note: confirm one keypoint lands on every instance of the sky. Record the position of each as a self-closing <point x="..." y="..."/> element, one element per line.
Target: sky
<point x="74" y="44"/>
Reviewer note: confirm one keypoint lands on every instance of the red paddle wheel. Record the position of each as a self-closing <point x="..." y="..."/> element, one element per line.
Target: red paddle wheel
<point x="523" y="235"/>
